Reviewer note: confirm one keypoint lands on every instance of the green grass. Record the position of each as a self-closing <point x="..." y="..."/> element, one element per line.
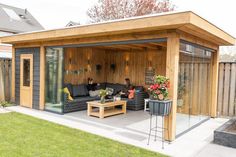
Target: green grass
<point x="26" y="136"/>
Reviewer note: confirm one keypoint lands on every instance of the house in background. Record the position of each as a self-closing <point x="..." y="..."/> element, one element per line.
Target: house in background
<point x="72" y="23"/>
<point x="12" y="21"/>
<point x="15" y="20"/>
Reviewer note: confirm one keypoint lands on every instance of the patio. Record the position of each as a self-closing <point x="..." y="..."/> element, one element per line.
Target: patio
<point x="135" y="121"/>
<point x="196" y="142"/>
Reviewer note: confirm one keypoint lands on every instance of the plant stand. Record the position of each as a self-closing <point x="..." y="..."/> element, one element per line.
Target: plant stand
<point x="162" y="109"/>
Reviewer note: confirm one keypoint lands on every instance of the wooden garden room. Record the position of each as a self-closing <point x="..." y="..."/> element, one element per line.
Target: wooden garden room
<point x="182" y="46"/>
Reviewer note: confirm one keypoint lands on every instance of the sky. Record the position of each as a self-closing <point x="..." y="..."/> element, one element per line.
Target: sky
<point x="57" y="13"/>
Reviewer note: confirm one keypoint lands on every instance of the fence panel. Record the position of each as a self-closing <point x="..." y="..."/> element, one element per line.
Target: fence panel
<point x="227" y="89"/>
<point x="5" y="78"/>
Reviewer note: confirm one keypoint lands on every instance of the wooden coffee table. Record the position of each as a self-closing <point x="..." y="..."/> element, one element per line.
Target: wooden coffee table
<point x="106" y="109"/>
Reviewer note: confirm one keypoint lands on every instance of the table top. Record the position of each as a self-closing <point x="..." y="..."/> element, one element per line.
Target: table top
<point x="109" y="103"/>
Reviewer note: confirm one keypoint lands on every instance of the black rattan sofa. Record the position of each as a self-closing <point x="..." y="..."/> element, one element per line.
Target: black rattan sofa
<point x="81" y="96"/>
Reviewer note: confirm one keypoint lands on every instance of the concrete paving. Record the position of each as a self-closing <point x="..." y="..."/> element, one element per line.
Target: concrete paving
<point x="196" y="143"/>
<point x="3" y="110"/>
<point x="214" y="150"/>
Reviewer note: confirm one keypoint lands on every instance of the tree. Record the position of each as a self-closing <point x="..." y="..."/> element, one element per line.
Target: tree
<point x="105" y="10"/>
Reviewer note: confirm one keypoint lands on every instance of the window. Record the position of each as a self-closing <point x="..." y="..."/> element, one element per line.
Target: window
<point x="54" y="79"/>
<point x="194" y="84"/>
<point x="12" y="14"/>
<point x="26" y="72"/>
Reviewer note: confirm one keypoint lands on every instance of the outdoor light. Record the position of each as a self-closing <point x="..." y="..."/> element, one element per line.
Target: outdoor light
<point x="88" y="61"/>
<point x="127" y="62"/>
<point x="70" y="61"/>
<point x="149" y="63"/>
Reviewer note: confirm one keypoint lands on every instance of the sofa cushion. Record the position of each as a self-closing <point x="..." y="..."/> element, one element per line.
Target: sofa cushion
<point x="80" y="90"/>
<point x="139" y="88"/>
<point x="117" y="87"/>
<point x="101" y="86"/>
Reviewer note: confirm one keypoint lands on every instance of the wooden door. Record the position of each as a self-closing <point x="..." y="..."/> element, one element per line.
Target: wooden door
<point x="26" y="80"/>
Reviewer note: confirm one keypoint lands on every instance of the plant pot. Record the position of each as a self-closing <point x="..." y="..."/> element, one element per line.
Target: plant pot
<point x="180" y="102"/>
<point x="160" y="107"/>
<point x="102" y="100"/>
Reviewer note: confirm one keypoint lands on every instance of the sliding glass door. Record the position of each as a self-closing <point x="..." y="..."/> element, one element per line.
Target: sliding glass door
<point x="194" y="95"/>
<point x="54" y="80"/>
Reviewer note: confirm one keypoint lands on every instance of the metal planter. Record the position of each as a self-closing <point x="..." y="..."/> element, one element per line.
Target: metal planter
<point x="160" y="107"/>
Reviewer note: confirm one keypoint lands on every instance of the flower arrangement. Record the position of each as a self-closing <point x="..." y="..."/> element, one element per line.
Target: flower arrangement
<point x="159" y="90"/>
<point x="102" y="94"/>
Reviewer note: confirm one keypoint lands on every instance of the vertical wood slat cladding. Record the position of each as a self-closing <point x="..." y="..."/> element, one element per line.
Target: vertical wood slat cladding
<point x="78" y="58"/>
<point x="227" y="89"/>
<point x="36" y="74"/>
<point x="197" y="97"/>
<point x="135" y="70"/>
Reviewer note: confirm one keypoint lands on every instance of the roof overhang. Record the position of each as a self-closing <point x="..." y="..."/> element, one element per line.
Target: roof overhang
<point x="187" y="22"/>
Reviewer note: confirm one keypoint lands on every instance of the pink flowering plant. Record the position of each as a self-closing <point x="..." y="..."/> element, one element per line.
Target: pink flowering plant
<point x="159" y="90"/>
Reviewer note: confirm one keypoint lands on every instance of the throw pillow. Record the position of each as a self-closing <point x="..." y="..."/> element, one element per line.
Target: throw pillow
<point x="67" y="92"/>
<point x="131" y="94"/>
<point x="110" y="90"/>
<point x="94" y="93"/>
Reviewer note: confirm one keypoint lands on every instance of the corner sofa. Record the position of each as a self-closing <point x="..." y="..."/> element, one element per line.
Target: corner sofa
<point x="80" y="95"/>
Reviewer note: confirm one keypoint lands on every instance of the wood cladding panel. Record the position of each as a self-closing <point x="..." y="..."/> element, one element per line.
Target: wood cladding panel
<point x="128" y="64"/>
<point x="196" y="77"/>
<point x="85" y="61"/>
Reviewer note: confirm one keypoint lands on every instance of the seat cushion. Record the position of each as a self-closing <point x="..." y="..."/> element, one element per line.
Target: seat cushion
<point x="85" y="99"/>
<point x="80" y="90"/>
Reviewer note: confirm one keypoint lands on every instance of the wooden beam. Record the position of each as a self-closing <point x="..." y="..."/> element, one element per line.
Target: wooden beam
<point x="42" y="78"/>
<point x="172" y="66"/>
<point x="101" y="39"/>
<point x="13" y="75"/>
<point x="214" y="88"/>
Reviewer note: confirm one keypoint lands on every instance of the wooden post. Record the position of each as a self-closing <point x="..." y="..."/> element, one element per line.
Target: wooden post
<point x="172" y="69"/>
<point x="42" y="78"/>
<point x="214" y="89"/>
<point x="13" y="75"/>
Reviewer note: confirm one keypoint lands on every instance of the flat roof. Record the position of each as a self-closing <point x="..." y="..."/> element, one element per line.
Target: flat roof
<point x="187" y="21"/>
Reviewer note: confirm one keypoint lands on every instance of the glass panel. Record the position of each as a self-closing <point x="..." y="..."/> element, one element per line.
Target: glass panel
<point x="26" y="72"/>
<point x="193" y="86"/>
<point x="54" y="78"/>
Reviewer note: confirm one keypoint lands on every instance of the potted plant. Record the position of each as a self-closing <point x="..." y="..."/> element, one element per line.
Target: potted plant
<point x="159" y="102"/>
<point x="102" y="94"/>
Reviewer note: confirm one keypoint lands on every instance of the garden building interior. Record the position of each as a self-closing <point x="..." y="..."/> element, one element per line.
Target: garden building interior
<point x="139" y="62"/>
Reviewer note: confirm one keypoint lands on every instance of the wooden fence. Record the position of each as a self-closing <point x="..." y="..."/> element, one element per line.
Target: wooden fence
<point x="5" y="79"/>
<point x="227" y="89"/>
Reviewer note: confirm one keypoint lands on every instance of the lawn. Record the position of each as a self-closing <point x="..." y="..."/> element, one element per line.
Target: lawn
<point x="26" y="136"/>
